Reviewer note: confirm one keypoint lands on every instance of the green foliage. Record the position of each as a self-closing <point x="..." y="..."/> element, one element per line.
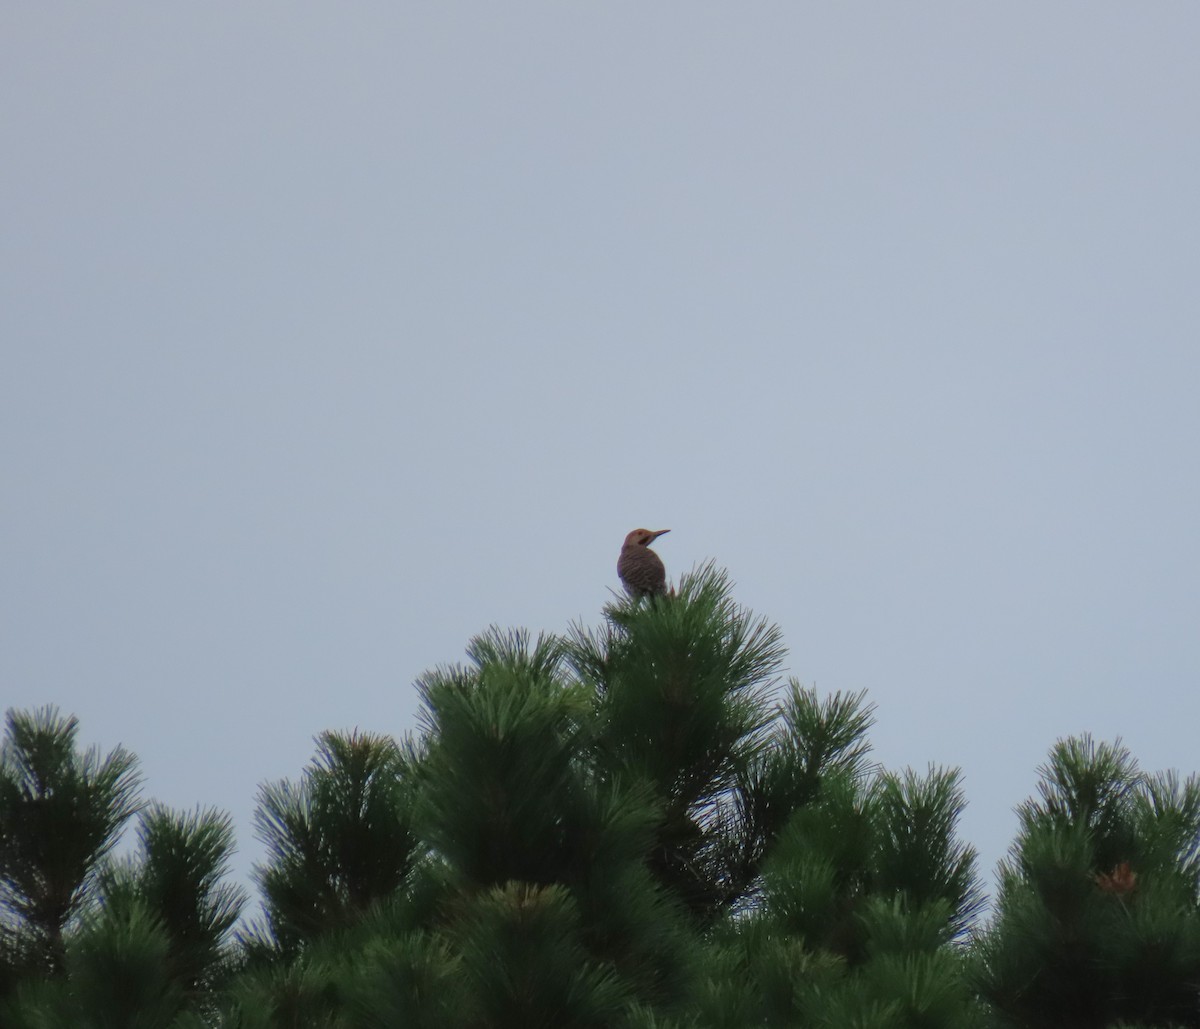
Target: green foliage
<point x="302" y="992"/>
<point x="890" y="840"/>
<point x="511" y="794"/>
<point x="918" y="856"/>
<point x="810" y="742"/>
<point x="415" y="980"/>
<point x="526" y="963"/>
<point x="681" y="688"/>
<point x="341" y="839"/>
<point x="118" y="973"/>
<point x="61" y="811"/>
<point x="505" y="795"/>
<point x="862" y="896"/>
<point x="635" y="826"/>
<point x="1097" y="919"/>
<point x="90" y="942"/>
<point x="178" y="877"/>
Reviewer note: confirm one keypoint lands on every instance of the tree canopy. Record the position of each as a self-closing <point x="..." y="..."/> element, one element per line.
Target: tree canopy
<point x="641" y="824"/>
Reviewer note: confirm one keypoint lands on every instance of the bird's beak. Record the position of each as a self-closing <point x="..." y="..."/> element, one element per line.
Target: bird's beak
<point x="661" y="532"/>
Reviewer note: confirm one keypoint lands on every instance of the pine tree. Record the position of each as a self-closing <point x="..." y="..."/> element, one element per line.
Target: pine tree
<point x="178" y="879"/>
<point x="864" y="896"/>
<point x="91" y="941"/>
<point x="681" y="692"/>
<point x="630" y="826"/>
<point x="340" y="840"/>
<point x="1097" y="920"/>
<point x="640" y="826"/>
<point x="61" y="813"/>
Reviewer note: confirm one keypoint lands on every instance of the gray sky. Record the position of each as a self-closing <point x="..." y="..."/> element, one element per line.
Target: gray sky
<point x="333" y="334"/>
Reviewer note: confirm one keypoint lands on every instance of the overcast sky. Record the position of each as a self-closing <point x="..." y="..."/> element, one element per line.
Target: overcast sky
<point x="332" y="334"/>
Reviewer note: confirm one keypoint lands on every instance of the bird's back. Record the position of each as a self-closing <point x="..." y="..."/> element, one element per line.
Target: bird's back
<point x="641" y="570"/>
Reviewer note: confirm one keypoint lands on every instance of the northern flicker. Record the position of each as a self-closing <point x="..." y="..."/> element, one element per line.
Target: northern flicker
<point x="640" y="569"/>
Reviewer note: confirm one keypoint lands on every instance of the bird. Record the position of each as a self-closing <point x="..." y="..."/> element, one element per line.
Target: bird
<point x="641" y="570"/>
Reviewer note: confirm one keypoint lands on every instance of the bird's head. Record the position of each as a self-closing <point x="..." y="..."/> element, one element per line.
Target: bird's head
<point x="643" y="537"/>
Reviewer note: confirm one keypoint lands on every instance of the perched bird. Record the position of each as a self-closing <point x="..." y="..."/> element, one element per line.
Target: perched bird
<point x="640" y="569"/>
